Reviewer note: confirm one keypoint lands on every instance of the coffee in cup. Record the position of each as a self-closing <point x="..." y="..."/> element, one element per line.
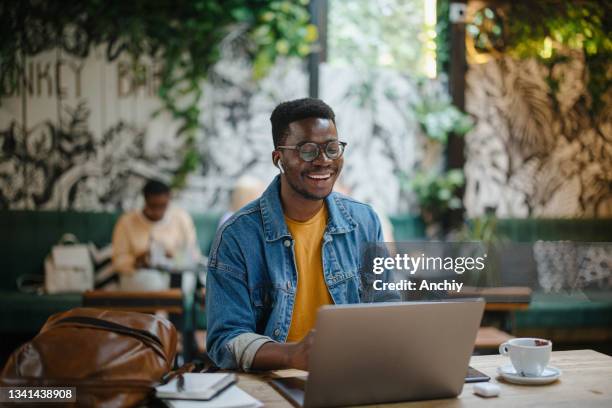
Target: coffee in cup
<point x="529" y="356"/>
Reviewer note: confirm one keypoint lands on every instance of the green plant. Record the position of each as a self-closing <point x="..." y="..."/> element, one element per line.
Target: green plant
<point x="440" y="118"/>
<point x="442" y="36"/>
<point x="436" y="193"/>
<point x="435" y="112"/>
<point x="548" y="30"/>
<point x="184" y="35"/>
<point x="483" y="228"/>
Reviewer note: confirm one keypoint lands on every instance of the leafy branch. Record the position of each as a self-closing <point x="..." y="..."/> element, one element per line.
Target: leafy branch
<point x="185" y="35"/>
<point x="547" y="30"/>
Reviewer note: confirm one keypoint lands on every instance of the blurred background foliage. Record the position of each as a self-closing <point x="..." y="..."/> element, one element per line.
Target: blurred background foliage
<point x="378" y="33"/>
<point x="437" y="190"/>
<point x="437" y="193"/>
<point x="550" y="31"/>
<point x="184" y="35"/>
<point x="442" y="36"/>
<point x="438" y="116"/>
<point x="396" y="35"/>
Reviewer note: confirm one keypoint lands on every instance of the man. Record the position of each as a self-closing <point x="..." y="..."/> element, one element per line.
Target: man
<point x="296" y="248"/>
<point x="158" y="235"/>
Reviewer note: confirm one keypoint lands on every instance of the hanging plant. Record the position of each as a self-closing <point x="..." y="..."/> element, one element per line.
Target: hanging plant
<point x="436" y="113"/>
<point x="436" y="193"/>
<point x="184" y="36"/>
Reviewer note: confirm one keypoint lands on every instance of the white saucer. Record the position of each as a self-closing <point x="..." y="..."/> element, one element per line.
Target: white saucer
<point x="509" y="374"/>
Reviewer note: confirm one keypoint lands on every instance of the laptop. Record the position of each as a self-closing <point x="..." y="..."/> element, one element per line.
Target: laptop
<point x="387" y="352"/>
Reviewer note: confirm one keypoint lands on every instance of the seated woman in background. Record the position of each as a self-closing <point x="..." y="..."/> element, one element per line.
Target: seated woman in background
<point x="156" y="238"/>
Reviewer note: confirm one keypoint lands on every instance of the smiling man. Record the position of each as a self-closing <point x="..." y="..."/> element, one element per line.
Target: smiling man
<point x="296" y="248"/>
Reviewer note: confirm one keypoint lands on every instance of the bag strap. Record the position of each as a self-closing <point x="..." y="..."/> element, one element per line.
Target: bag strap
<point x="201" y="364"/>
<point x="150" y="339"/>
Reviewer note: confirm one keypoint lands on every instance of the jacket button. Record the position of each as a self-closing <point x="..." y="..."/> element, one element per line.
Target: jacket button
<point x="277" y="332"/>
<point x="287" y="243"/>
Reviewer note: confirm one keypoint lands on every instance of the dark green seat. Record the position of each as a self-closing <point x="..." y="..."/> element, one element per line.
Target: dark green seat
<point x="26" y="313"/>
<point x="564" y="310"/>
<point x="28" y="237"/>
<point x="551" y="311"/>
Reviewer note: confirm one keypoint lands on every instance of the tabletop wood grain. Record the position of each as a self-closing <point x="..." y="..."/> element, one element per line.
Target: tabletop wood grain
<point x="586" y="382"/>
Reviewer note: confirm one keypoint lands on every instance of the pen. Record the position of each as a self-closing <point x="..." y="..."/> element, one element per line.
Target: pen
<point x="181" y="383"/>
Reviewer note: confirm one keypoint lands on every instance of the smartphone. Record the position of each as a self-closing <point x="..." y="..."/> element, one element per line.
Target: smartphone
<point x="473" y="375"/>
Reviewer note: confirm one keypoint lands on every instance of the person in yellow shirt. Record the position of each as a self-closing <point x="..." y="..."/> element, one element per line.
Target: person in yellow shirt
<point x="298" y="247"/>
<point x="153" y="238"/>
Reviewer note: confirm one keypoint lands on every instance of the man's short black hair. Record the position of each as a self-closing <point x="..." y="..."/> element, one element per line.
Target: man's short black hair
<point x="298" y="109"/>
<point x="155" y="187"/>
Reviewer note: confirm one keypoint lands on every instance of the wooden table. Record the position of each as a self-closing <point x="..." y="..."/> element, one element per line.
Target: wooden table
<point x="170" y="300"/>
<point x="501" y="303"/>
<point x="586" y="382"/>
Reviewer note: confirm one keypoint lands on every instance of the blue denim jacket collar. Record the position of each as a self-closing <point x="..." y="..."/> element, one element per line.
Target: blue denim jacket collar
<point x="339" y="221"/>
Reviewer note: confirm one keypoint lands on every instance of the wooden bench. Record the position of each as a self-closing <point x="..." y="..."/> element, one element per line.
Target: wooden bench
<point x="489" y="338"/>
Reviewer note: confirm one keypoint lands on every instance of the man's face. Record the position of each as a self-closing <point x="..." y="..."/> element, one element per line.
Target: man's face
<point x="156" y="206"/>
<point x="312" y="180"/>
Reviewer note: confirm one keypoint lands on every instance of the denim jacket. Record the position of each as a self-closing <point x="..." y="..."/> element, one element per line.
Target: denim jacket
<point x="252" y="278"/>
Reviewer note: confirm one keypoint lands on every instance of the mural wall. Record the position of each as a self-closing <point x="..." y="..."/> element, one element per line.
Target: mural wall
<point x="533" y="153"/>
<point x="79" y="133"/>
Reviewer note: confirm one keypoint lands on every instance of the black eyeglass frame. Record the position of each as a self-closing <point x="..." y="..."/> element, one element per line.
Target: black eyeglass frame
<point x="321" y="147"/>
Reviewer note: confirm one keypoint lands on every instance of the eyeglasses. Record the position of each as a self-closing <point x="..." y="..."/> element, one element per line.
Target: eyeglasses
<point x="309" y="151"/>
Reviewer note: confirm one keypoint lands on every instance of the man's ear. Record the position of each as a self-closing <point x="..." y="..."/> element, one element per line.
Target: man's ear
<point x="276" y="160"/>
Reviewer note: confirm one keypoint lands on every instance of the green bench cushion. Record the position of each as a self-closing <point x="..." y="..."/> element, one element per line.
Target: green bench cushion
<point x="29" y="235"/>
<point x="550" y="310"/>
<point x="24" y="312"/>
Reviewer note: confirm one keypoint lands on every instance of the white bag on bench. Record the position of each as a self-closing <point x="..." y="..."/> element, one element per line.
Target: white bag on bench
<point x="69" y="269"/>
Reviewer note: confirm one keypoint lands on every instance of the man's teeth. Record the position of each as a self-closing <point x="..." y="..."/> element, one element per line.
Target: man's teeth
<point x="319" y="176"/>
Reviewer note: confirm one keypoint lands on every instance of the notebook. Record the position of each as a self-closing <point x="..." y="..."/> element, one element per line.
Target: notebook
<point x="195" y="386"/>
<point x="232" y="397"/>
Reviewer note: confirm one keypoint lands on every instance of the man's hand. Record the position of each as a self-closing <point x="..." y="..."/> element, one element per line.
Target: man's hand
<point x="142" y="261"/>
<point x="276" y="356"/>
<point x="300" y="352"/>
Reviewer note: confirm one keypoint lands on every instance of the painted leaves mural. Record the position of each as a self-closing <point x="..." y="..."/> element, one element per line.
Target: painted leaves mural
<point x="535" y="152"/>
<point x="60" y="165"/>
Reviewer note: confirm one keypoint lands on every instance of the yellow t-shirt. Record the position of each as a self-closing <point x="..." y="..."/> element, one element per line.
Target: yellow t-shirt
<point x="311" y="288"/>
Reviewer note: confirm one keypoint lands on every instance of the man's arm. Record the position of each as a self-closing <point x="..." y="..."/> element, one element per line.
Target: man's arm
<point x="276" y="356"/>
<point x="232" y="340"/>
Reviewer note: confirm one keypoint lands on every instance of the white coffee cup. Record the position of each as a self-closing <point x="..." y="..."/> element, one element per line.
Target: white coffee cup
<point x="529" y="356"/>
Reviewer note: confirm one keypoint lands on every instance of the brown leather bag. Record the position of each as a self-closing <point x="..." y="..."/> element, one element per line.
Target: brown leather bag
<point x="113" y="358"/>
